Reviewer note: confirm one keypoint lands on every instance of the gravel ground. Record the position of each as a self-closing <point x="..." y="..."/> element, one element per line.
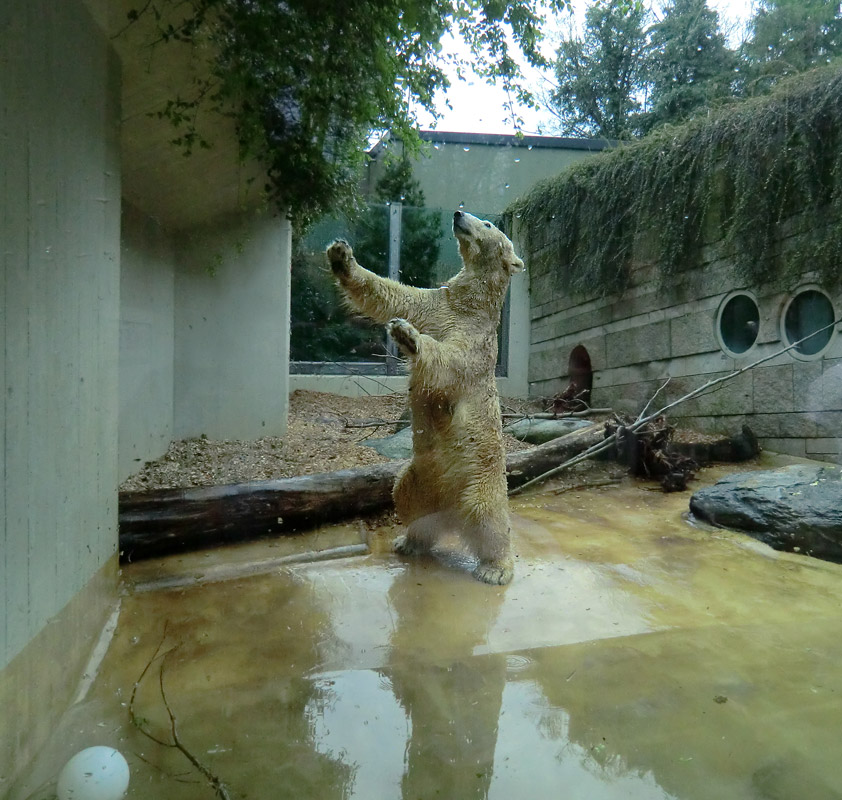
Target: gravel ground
<point x="320" y="437"/>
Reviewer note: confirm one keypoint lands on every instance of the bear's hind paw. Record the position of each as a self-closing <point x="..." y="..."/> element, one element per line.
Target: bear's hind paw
<point x="407" y="546"/>
<point x="494" y="572"/>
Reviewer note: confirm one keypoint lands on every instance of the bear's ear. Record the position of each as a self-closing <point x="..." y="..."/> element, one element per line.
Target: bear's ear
<point x="511" y="263"/>
<point x="514" y="265"/>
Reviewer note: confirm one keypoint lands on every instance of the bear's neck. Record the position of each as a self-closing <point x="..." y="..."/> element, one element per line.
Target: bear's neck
<point x="480" y="292"/>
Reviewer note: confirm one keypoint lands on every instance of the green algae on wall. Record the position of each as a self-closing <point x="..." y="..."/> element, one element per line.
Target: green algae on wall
<point x="733" y="177"/>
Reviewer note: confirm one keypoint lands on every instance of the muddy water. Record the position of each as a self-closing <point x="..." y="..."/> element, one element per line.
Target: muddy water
<point x="633" y="656"/>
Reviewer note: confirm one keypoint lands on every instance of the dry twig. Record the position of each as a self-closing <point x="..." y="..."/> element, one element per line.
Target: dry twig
<point x="220" y="789"/>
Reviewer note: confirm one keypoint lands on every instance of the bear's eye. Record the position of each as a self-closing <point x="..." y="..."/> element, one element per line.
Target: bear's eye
<point x="487" y="224"/>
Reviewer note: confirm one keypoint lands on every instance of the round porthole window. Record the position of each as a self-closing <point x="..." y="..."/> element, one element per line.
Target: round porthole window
<point x="738" y="322"/>
<point x="807" y="317"/>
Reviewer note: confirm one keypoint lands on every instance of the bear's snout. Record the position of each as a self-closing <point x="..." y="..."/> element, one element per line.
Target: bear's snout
<point x="460" y="222"/>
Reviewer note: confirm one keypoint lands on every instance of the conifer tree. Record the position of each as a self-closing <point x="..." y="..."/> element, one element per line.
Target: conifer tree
<point x="599" y="76"/>
<point x="690" y="66"/>
<point x="790" y="36"/>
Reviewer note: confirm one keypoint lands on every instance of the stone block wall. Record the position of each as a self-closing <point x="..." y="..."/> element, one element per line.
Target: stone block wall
<point x="654" y="332"/>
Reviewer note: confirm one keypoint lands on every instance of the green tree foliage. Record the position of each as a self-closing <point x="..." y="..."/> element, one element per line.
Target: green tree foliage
<point x="690" y="67"/>
<point x="421" y="228"/>
<point x="790" y="36"/>
<point x="306" y="82"/>
<point x="319" y="327"/>
<point x="599" y="76"/>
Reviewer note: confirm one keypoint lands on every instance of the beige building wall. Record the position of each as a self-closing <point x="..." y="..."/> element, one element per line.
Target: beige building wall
<point x="483" y="173"/>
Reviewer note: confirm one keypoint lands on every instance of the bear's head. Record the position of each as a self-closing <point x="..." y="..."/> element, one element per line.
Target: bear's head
<point x="483" y="247"/>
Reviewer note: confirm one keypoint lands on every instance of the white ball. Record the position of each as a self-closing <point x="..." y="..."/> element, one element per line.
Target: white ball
<point x="96" y="773"/>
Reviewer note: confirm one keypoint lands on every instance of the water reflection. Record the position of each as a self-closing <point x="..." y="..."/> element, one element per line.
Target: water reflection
<point x="632" y="657"/>
<point x="353" y="716"/>
<point x="452" y="698"/>
<point x="434" y="709"/>
<point x="534" y="753"/>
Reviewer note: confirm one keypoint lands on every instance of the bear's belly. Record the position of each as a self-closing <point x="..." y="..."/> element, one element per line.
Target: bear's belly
<point x="465" y="432"/>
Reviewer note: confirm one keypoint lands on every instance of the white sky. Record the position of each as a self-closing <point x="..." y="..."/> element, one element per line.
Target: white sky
<point x="478" y="107"/>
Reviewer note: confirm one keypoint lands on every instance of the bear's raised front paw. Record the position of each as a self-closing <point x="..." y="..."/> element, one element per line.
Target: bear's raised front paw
<point x="339" y="254"/>
<point x="406" y="546"/>
<point x="405" y="335"/>
<point x="497" y="573"/>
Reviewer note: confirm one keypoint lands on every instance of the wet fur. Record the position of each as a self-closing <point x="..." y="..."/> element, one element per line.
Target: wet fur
<point x="456" y="479"/>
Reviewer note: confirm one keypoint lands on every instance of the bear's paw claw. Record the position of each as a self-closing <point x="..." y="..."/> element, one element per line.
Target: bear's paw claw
<point x="339" y="254"/>
<point x="405" y="546"/>
<point x="404" y="334"/>
<point x="494" y="573"/>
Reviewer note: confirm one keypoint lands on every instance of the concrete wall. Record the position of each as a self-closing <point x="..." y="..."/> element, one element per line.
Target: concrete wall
<point x="147" y="341"/>
<point x="232" y="329"/>
<point x="169" y="347"/>
<point x="204" y="333"/>
<point x="59" y="298"/>
<point x="651" y="333"/>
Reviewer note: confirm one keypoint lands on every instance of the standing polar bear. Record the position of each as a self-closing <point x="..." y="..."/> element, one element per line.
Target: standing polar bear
<point x="457" y="476"/>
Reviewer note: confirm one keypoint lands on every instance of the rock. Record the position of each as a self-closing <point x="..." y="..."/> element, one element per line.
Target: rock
<point x="740" y="447"/>
<point x="796" y="508"/>
<point x="538" y="431"/>
<point x="396" y="446"/>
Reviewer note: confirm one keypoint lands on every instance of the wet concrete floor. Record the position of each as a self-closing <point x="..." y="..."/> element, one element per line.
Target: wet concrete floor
<point x="633" y="656"/>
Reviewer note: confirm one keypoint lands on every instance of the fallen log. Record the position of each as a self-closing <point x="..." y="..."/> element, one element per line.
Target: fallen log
<point x="527" y="464"/>
<point x="164" y="521"/>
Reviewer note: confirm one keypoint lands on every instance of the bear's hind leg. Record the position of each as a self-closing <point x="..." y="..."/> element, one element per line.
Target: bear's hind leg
<point x="415" y="503"/>
<point x="487" y="531"/>
<point x="421" y="534"/>
<point x="493" y="548"/>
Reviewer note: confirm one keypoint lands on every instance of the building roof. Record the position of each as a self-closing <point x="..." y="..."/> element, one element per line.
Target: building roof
<point x="503" y="140"/>
<point x="513" y="140"/>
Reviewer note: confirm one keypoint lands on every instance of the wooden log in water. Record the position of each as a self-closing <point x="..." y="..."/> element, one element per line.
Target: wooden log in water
<point x="165" y="521"/>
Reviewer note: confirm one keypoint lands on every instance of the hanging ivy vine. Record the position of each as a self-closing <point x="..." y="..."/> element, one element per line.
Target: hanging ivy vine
<point x="740" y="176"/>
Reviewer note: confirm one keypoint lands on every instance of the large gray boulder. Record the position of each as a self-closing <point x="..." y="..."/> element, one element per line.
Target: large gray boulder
<point x="796" y="508"/>
<point x="397" y="446"/>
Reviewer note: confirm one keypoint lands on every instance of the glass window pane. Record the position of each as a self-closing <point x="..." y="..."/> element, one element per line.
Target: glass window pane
<point x="739" y="323"/>
<point x="809" y="311"/>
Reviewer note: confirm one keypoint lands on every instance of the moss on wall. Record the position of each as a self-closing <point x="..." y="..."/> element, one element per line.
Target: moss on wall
<point x="733" y="178"/>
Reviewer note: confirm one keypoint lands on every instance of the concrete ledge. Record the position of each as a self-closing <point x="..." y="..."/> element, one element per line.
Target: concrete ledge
<point x="40" y="683"/>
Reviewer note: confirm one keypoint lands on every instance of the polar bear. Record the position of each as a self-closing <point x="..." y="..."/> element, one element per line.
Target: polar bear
<point x="457" y="476"/>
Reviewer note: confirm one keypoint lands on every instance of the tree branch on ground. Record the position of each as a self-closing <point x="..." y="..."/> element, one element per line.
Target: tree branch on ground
<point x="220" y="789"/>
<point x="643" y="418"/>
